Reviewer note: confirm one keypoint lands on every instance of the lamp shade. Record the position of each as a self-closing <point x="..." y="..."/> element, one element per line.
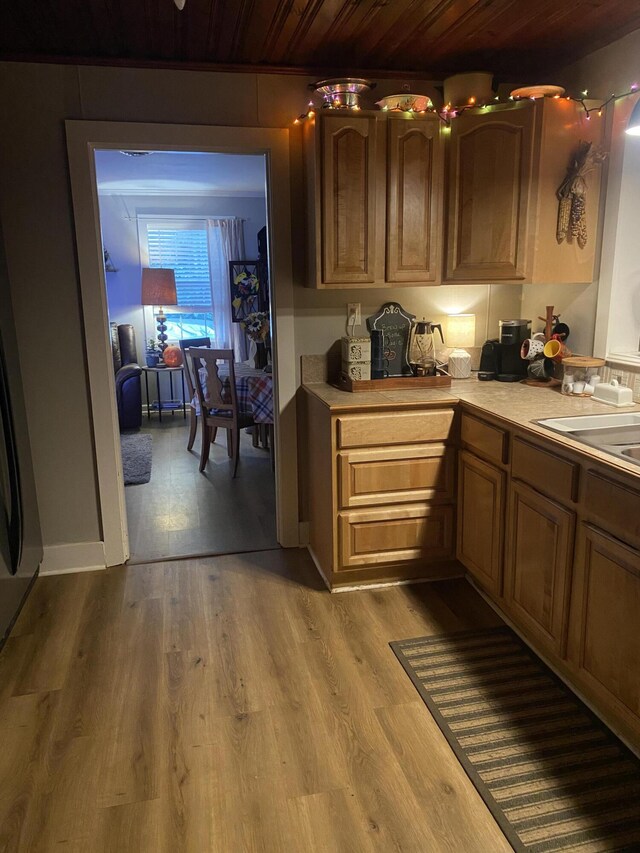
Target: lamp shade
<point x="158" y="286"/>
<point x="461" y="330"/>
<point x="633" y="128"/>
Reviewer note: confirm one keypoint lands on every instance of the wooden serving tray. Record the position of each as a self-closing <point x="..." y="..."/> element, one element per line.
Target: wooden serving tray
<point x="393" y="383"/>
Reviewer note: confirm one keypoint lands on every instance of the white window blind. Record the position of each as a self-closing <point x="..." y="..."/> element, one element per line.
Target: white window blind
<point x="185" y="251"/>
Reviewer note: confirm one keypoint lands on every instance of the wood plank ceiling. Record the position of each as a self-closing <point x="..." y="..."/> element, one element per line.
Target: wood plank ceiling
<point x="513" y="38"/>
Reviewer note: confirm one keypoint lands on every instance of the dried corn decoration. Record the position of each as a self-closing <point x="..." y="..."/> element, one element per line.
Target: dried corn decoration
<point x="572" y="196"/>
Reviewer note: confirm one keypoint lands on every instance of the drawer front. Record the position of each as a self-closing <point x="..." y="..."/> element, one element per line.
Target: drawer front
<point x="547" y="473"/>
<point x="483" y="438"/>
<point x="614" y="506"/>
<point x="394" y="428"/>
<point x="396" y="475"/>
<point x="402" y="534"/>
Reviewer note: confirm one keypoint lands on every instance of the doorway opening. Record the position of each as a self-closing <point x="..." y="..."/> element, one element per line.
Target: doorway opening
<point x="199" y="221"/>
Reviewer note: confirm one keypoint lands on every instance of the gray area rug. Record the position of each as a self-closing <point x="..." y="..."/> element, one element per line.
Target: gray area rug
<point x="136" y="458"/>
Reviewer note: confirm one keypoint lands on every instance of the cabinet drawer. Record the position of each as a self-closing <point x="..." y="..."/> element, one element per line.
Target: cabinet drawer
<point x="396" y="475"/>
<point x="394" y="428"/>
<point x="486" y="440"/>
<point x="614" y="506"/>
<point x="399" y="534"/>
<point x="546" y="472"/>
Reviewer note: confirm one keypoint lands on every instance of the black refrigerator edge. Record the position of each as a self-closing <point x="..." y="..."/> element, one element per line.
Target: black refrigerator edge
<point x="20" y="537"/>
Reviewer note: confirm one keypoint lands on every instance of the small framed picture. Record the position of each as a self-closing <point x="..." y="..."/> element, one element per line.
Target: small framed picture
<point x="244" y="277"/>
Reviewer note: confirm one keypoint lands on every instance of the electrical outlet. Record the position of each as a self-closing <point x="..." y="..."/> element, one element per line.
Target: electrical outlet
<point x="354" y="308"/>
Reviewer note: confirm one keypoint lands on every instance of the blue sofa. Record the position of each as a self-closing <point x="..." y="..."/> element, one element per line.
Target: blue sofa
<point x="127" y="372"/>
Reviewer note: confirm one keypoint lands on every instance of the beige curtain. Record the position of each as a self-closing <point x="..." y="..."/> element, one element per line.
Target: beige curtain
<point x="226" y="243"/>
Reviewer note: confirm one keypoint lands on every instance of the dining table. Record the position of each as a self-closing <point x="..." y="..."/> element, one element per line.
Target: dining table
<point x="254" y="390"/>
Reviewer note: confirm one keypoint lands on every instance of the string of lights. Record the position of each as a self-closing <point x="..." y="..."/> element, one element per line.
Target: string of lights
<point x="449" y="111"/>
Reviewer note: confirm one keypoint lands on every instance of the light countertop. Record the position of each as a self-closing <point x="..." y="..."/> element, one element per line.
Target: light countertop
<point x="513" y="402"/>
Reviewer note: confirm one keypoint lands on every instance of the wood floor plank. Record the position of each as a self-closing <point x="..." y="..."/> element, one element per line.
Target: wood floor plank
<point x="445" y="794"/>
<point x="383" y="794"/>
<point x="332" y="821"/>
<point x="132" y="745"/>
<point x="130" y="827"/>
<point x="55" y="615"/>
<point x="228" y="704"/>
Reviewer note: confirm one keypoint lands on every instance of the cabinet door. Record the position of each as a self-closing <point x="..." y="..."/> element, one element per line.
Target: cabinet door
<point x="350" y="189"/>
<point x="481" y="489"/>
<point x="489" y="186"/>
<point x="539" y="555"/>
<point x="604" y="640"/>
<point x="414" y="200"/>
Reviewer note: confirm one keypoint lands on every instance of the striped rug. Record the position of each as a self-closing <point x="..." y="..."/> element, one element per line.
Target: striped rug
<point x="554" y="777"/>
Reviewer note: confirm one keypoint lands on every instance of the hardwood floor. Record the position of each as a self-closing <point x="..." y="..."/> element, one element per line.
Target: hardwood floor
<point x="181" y="512"/>
<point x="229" y="704"/>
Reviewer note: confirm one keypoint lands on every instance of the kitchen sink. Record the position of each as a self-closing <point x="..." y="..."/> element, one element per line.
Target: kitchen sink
<point x="620" y="419"/>
<point x="617" y="434"/>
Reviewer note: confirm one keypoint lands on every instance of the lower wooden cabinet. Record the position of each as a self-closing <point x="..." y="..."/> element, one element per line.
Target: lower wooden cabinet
<point x="604" y="635"/>
<point x="392" y="475"/>
<point x="538" y="562"/>
<point x="381" y="492"/>
<point x="395" y="535"/>
<point x="481" y="491"/>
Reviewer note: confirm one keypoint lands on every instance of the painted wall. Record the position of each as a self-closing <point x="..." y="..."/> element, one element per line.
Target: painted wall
<point x="612" y="69"/>
<point x="120" y="235"/>
<point x="35" y="205"/>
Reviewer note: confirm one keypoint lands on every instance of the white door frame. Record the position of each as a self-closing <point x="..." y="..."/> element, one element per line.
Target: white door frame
<point x="83" y="138"/>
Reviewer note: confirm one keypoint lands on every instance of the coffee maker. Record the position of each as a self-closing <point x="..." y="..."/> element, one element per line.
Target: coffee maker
<point x="500" y="359"/>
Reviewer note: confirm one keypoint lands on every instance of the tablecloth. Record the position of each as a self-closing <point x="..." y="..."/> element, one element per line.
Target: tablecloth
<point x="254" y="390"/>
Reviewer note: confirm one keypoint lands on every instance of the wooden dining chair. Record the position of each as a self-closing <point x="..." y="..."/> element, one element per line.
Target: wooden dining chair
<point x="215" y="411"/>
<point x="185" y="344"/>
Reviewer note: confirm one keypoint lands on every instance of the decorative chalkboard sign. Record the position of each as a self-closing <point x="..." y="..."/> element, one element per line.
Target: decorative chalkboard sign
<point x="395" y="323"/>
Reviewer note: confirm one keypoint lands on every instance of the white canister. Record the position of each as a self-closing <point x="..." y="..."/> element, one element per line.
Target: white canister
<point x="357" y="370"/>
<point x="356" y="349"/>
<point x="460" y="89"/>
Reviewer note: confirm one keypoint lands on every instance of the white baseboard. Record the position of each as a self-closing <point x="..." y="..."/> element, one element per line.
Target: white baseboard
<point x="74" y="557"/>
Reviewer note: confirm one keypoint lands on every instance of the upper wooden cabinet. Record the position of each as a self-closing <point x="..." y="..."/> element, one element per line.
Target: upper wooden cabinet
<point x="414" y="198"/>
<point x="489" y="196"/>
<point x="374" y="199"/>
<point x="351" y="252"/>
<point x="505" y="166"/>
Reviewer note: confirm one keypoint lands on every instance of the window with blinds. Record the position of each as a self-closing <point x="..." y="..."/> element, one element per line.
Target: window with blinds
<point x="185" y="251"/>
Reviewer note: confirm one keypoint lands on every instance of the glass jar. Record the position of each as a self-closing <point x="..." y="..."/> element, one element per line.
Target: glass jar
<point x="581" y="375"/>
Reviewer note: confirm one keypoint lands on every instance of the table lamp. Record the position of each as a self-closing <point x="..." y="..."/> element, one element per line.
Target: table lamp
<point x="159" y="289"/>
<point x="461" y="333"/>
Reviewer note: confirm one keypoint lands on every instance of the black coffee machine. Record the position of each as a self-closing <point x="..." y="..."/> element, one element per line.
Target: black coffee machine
<point x="500" y="359"/>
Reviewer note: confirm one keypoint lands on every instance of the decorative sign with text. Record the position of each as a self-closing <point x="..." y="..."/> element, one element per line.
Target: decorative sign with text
<point x="395" y="324"/>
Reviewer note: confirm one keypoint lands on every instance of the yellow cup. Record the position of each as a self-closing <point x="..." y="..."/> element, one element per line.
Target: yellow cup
<point x="556" y="350"/>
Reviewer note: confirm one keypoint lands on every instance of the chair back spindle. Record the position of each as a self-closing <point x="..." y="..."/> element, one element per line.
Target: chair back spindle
<point x="210" y="396"/>
<point x="185" y="344"/>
